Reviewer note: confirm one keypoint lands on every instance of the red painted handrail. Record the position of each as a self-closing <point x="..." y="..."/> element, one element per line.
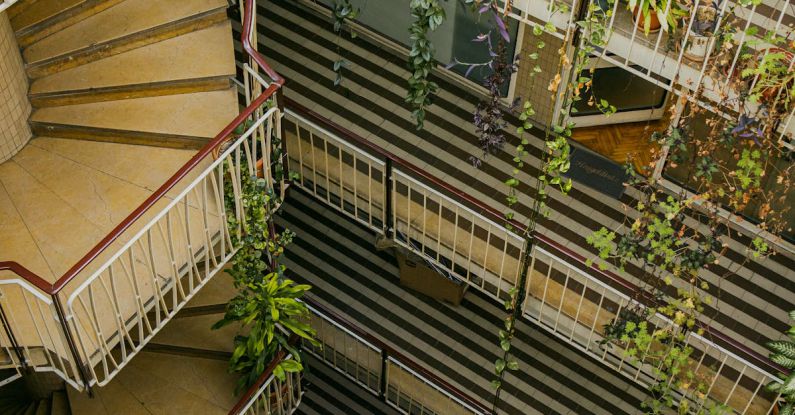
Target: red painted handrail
<point x="277" y="82"/>
<point x="26" y="274"/>
<point x="610" y="277"/>
<point x="251" y="391"/>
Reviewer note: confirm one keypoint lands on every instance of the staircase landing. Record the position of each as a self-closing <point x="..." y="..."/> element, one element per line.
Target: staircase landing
<point x="59" y="197"/>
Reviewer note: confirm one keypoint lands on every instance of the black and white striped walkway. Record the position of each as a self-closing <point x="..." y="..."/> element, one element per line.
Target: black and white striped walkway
<point x="754" y="296"/>
<point x="338" y="258"/>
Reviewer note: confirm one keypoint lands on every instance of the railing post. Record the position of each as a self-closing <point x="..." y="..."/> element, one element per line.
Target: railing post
<point x="71" y="343"/>
<point x="12" y="338"/>
<point x="383" y="381"/>
<point x="282" y="137"/>
<point x="388" y="220"/>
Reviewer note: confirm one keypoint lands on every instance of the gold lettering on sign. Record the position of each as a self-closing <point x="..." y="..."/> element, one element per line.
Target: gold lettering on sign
<point x="595" y="171"/>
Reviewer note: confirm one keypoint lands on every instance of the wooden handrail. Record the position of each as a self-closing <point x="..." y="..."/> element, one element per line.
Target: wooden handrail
<point x="267" y="373"/>
<point x="27" y="275"/>
<point x="369" y="337"/>
<point x="611" y="278"/>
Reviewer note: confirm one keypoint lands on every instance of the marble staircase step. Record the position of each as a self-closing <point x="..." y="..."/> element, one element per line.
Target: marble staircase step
<point x="196" y="115"/>
<point x="170" y="60"/>
<point x="125" y="18"/>
<point x="114" y="93"/>
<point x="63" y="19"/>
<point x="131" y="41"/>
<point x="30" y="13"/>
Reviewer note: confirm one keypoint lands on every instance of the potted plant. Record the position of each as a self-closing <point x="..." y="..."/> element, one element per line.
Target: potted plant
<point x="702" y="32"/>
<point x="653" y="15"/>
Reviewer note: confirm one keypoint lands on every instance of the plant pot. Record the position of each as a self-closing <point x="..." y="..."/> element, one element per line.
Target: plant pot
<point x="701" y="39"/>
<point x="654" y="22"/>
<point x="698" y="46"/>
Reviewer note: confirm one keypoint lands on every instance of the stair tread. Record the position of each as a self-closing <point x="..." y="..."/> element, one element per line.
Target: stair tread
<point x="169" y="60"/>
<point x="202" y="114"/>
<point x="60" y="403"/>
<point x="40" y="10"/>
<point x="130" y="16"/>
<point x="43" y="407"/>
<point x="195" y="332"/>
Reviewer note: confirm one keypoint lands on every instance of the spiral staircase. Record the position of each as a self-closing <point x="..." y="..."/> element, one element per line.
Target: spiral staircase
<point x="123" y="93"/>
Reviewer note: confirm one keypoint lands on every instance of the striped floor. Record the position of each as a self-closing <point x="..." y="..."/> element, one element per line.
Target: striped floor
<point x="329" y="393"/>
<point x="754" y="296"/>
<point x="337" y="257"/>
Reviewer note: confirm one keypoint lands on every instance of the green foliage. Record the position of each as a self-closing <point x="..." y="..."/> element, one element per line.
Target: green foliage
<point x="782" y="352"/>
<point x="267" y="305"/>
<point x="428" y="16"/>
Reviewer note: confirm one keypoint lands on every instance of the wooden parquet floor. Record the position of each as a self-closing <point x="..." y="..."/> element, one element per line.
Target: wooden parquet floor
<point x="623" y="142"/>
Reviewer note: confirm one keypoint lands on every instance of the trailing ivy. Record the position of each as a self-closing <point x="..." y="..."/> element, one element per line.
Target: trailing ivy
<point x="343" y="13"/>
<point x="267" y="306"/>
<point x="428" y="16"/>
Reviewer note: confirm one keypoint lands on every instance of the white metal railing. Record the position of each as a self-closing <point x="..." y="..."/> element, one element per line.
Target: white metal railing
<point x="32" y="336"/>
<point x="6" y="4"/>
<point x="576" y="307"/>
<point x="663" y="59"/>
<point x="273" y="396"/>
<point x="125" y="302"/>
<point x="572" y="303"/>
<point x="383" y="371"/>
<point x="88" y="325"/>
<point x="337" y="172"/>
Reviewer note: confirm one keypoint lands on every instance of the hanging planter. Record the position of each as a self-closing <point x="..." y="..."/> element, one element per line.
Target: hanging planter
<point x="702" y="34"/>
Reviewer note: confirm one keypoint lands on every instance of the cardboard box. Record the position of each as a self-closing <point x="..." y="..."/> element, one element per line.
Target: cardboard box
<point x="415" y="274"/>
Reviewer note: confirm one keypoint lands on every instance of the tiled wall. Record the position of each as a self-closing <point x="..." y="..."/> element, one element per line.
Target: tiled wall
<point x="535" y="88"/>
<point x="14" y="105"/>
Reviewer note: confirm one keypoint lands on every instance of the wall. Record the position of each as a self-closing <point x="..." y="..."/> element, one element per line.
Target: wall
<point x="393" y="18"/>
<point x="14" y="104"/>
<point x="535" y="88"/>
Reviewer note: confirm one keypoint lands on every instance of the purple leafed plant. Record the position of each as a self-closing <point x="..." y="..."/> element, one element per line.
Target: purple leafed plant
<point x="488" y="116"/>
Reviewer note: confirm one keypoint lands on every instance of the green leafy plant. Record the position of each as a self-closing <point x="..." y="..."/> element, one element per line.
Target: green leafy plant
<point x="669" y="15"/>
<point x="428" y="16"/>
<point x="782" y="352"/>
<point x="267" y="306"/>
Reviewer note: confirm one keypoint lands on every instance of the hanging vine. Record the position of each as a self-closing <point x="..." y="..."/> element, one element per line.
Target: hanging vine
<point x="428" y="16"/>
<point x="343" y="14"/>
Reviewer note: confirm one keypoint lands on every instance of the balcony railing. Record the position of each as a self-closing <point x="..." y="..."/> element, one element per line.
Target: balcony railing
<point x="469" y="240"/>
<point x="375" y="366"/>
<point x="89" y="323"/>
<point x="661" y="57"/>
